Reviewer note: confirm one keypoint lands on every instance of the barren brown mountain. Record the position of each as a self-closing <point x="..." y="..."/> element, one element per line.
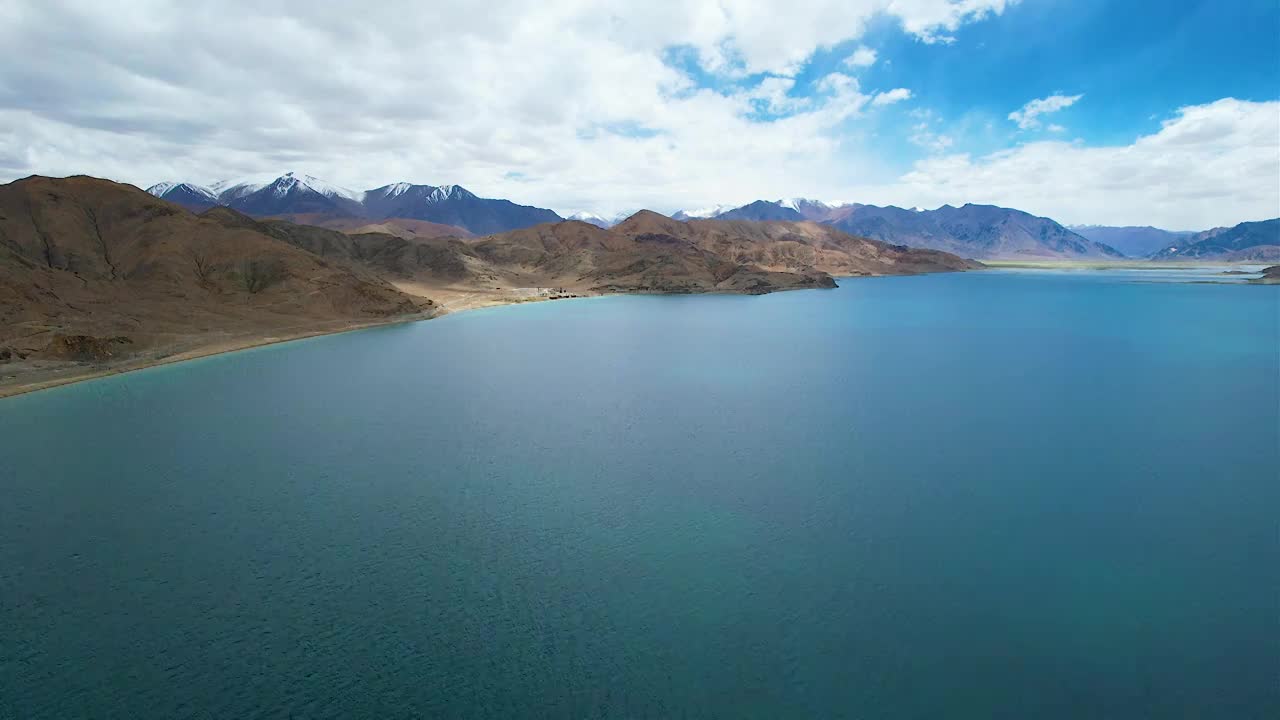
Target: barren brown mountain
<point x="581" y="256"/>
<point x="93" y="271"/>
<point x="407" y="228"/>
<point x="96" y="275"/>
<point x="646" y="253"/>
<point x="794" y="246"/>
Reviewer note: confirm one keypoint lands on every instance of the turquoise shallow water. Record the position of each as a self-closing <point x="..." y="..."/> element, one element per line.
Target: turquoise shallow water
<point x="989" y="495"/>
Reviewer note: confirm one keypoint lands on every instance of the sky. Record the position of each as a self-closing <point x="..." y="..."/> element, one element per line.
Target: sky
<point x="1087" y="111"/>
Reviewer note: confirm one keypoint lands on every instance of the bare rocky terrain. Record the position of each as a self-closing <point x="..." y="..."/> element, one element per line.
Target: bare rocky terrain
<point x="97" y="276"/>
<point x="400" y="227"/>
<point x="1246" y="242"/>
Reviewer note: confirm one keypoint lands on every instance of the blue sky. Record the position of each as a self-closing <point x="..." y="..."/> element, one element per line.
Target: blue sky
<point x="1134" y="62"/>
<point x="1132" y="112"/>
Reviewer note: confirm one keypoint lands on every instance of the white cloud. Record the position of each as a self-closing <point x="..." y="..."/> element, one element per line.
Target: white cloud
<point x="1213" y="164"/>
<point x="836" y="82"/>
<point x="519" y="101"/>
<point x="930" y="20"/>
<point x="1028" y="117"/>
<point x="930" y="38"/>
<point x="1055" y="128"/>
<point x="526" y="102"/>
<point x="862" y="57"/>
<point x="747" y="31"/>
<point x="893" y="96"/>
<point x="773" y="96"/>
<point x="933" y="142"/>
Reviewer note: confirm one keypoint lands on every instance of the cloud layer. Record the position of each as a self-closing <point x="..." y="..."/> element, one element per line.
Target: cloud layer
<point x="1210" y="165"/>
<point x="568" y="104"/>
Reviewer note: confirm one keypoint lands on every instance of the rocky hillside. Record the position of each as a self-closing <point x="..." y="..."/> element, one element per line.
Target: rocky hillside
<point x="647" y="252"/>
<point x="99" y="273"/>
<point x="1270" y="276"/>
<point x="582" y="256"/>
<point x="976" y="231"/>
<point x="92" y="270"/>
<point x="795" y="246"/>
<point x="1246" y="242"/>
<point x="400" y="227"/>
<point x="571" y="256"/>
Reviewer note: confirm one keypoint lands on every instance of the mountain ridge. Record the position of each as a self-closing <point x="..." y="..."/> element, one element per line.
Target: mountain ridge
<point x="971" y="230"/>
<point x="297" y="194"/>
<point x="1134" y="241"/>
<point x="1254" y="241"/>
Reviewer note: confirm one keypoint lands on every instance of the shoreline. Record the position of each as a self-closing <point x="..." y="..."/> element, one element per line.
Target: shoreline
<point x="475" y="300"/>
<point x="135" y="365"/>
<point x="464" y="302"/>
<point x="1134" y="264"/>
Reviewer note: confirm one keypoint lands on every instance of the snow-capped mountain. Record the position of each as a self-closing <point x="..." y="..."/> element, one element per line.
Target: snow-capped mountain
<point x="810" y="209"/>
<point x="600" y="220"/>
<point x="293" y="193"/>
<point x="408" y="200"/>
<point x="185" y="194"/>
<point x="794" y="208"/>
<point x="452" y="205"/>
<point x="762" y="210"/>
<point x="297" y="193"/>
<point x="699" y="213"/>
<point x="288" y="193"/>
<point x="591" y="218"/>
<point x="228" y="190"/>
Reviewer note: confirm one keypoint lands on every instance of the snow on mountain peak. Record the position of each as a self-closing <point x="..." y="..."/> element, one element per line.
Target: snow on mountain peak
<point x="228" y="190"/>
<point x="795" y="203"/>
<point x="285" y="183"/>
<point x="708" y="212"/>
<point x="160" y="188"/>
<point x="164" y="188"/>
<point x="396" y="189"/>
<point x="594" y="219"/>
<point x="446" y="192"/>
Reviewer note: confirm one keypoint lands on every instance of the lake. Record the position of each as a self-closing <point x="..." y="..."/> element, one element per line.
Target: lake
<point x="987" y="495"/>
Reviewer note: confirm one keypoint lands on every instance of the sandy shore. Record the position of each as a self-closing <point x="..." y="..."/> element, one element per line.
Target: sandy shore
<point x="27" y="377"/>
<point x="33" y="376"/>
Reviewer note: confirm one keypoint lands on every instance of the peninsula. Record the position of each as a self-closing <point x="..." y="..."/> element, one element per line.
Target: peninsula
<point x="98" y="277"/>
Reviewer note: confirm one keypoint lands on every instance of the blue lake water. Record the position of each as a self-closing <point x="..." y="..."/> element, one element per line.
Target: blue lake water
<point x="987" y="495"/>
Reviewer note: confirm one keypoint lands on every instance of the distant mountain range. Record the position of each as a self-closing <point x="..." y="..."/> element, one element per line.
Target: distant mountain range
<point x="1135" y="242"/>
<point x="1248" y="241"/>
<point x="700" y="213"/>
<point x="977" y="231"/>
<point x="298" y="194"/>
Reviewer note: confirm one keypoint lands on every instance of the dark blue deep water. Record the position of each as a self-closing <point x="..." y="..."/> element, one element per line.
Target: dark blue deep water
<point x="990" y="495"/>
